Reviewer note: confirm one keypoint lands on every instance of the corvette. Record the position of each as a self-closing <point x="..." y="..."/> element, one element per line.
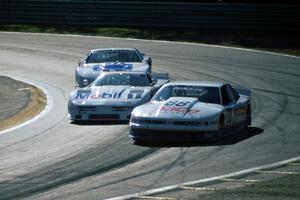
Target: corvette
<point x="113" y="95"/>
<point x="187" y="111"/>
<point x="110" y="59"/>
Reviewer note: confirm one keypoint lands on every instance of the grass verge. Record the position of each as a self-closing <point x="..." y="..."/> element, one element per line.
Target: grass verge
<point x="287" y="187"/>
<point x="36" y="105"/>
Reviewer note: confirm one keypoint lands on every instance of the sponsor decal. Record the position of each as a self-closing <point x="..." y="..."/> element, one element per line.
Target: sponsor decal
<point x="135" y="94"/>
<point x="193" y="111"/>
<point x="191" y="91"/>
<point x="82" y="95"/>
<point x="174" y="109"/>
<point x="104" y="95"/>
<point x="113" y="67"/>
<point x="240" y="111"/>
<point x="115" y="95"/>
<point x="240" y="114"/>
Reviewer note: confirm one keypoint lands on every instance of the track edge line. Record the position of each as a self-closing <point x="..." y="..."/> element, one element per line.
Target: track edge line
<point x="48" y="106"/>
<point x="238" y="173"/>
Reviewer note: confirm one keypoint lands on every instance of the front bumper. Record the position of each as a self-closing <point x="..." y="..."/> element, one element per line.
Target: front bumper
<point x="100" y="113"/>
<point x="172" y="130"/>
<point x="170" y="135"/>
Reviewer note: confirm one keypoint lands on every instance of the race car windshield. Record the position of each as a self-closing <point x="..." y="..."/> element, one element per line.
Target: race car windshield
<point x="122" y="79"/>
<point x="113" y="56"/>
<point x="204" y="94"/>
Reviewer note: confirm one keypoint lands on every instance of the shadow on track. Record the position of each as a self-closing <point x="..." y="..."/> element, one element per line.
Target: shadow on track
<point x="227" y="140"/>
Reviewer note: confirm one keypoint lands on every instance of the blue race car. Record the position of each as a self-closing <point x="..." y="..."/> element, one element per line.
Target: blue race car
<point x="110" y="59"/>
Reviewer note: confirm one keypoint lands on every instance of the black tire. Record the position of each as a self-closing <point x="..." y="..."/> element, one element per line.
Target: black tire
<point x="149" y="61"/>
<point x="220" y="132"/>
<point x="140" y="142"/>
<point x="248" y="117"/>
<point x="74" y="121"/>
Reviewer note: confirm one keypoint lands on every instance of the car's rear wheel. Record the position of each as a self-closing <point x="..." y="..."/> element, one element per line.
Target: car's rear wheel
<point x="220" y="132"/>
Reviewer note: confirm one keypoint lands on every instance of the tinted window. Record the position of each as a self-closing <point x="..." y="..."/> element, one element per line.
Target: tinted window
<point x="204" y="94"/>
<point x="225" y="96"/>
<point x="122" y="79"/>
<point x="113" y="56"/>
<point x="235" y="95"/>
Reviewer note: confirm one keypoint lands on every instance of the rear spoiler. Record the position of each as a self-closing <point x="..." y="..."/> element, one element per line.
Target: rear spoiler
<point x="156" y="76"/>
<point x="159" y="79"/>
<point x="243" y="90"/>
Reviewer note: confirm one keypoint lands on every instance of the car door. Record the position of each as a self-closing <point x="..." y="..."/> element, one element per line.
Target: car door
<point x="239" y="109"/>
<point x="229" y="104"/>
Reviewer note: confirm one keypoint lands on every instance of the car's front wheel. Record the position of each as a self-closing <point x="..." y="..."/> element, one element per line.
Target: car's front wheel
<point x="248" y="116"/>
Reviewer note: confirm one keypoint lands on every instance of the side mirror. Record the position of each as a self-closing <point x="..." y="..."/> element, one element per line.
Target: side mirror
<point x="81" y="62"/>
<point x="154" y="80"/>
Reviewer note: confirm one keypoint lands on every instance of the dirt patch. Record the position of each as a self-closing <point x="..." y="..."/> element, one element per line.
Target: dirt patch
<point x="34" y="106"/>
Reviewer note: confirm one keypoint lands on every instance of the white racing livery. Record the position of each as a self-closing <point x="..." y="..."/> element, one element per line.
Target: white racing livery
<point x="110" y="59"/>
<point x="113" y="95"/>
<point x="187" y="111"/>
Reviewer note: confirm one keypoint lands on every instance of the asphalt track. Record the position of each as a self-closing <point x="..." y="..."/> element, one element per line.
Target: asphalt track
<point x="53" y="159"/>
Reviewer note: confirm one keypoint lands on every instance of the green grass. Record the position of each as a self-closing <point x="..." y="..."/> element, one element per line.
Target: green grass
<point x="277" y="41"/>
<point x="285" y="188"/>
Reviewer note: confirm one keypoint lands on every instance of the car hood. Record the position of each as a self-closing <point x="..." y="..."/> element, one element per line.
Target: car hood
<point x="116" y="95"/>
<point x="179" y="108"/>
<point x="98" y="67"/>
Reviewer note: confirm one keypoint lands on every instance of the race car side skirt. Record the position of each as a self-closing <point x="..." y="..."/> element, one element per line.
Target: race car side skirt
<point x="175" y="135"/>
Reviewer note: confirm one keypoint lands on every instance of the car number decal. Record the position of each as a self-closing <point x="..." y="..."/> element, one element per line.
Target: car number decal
<point x="178" y="107"/>
<point x="177" y="103"/>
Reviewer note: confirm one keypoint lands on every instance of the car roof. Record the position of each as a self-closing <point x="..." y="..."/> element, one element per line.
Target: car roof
<point x="119" y="48"/>
<point x="197" y="83"/>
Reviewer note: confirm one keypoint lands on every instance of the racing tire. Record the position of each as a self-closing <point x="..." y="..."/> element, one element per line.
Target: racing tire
<point x="248" y="117"/>
<point x="220" y="132"/>
<point x="73" y="121"/>
<point x="149" y="61"/>
<point x="139" y="142"/>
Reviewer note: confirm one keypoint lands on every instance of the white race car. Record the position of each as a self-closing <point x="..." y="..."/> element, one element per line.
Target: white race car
<point x="187" y="111"/>
<point x="113" y="95"/>
<point x="110" y="59"/>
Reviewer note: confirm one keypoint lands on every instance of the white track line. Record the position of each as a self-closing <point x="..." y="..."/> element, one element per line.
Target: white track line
<point x="157" y="41"/>
<point x="180" y="185"/>
<point x="47" y="108"/>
